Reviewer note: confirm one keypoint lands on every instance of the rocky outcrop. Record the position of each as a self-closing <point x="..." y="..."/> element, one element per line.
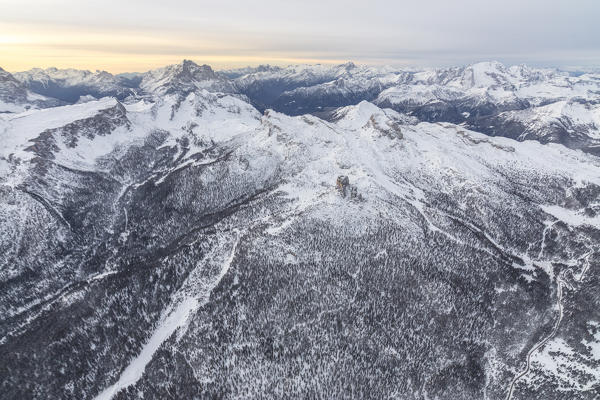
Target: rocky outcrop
<point x="347" y="190"/>
<point x="342" y="184"/>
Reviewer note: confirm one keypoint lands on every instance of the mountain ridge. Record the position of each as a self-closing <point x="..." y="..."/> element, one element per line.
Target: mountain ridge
<point x="486" y="97"/>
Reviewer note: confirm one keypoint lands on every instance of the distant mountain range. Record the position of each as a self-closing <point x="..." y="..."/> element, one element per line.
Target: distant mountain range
<point x="301" y="232"/>
<point x="517" y="102"/>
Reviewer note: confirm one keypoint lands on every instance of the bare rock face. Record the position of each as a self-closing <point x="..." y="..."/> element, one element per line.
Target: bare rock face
<point x="388" y="127"/>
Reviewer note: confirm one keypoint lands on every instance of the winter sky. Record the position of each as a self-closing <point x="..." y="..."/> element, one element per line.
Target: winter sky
<point x="136" y="35"/>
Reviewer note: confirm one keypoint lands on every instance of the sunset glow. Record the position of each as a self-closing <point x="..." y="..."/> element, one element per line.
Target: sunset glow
<point x="137" y="36"/>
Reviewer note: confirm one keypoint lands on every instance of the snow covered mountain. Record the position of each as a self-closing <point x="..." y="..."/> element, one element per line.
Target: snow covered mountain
<point x="180" y="243"/>
<point x="184" y="78"/>
<point x="15" y="97"/>
<point x="490" y="98"/>
<point x="487" y="97"/>
<point x="70" y="84"/>
<point x="311" y="88"/>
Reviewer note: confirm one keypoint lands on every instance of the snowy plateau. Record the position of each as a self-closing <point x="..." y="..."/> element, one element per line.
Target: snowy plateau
<point x="301" y="232"/>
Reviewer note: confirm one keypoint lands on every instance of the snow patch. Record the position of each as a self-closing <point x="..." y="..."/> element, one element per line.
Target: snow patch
<point x="571" y="217"/>
<point x="169" y="324"/>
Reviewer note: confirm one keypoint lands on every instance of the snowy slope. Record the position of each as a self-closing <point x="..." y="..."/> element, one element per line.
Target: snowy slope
<point x="19" y="129"/>
<point x="182" y="244"/>
<point x="575" y="115"/>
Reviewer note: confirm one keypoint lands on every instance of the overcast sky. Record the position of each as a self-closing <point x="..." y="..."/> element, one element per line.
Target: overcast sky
<point x="128" y="35"/>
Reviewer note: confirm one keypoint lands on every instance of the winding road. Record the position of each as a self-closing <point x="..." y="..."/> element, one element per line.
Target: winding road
<point x="541" y="343"/>
<point x="561" y="283"/>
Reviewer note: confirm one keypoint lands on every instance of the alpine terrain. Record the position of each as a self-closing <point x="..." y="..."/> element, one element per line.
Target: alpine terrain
<point x="303" y="232"/>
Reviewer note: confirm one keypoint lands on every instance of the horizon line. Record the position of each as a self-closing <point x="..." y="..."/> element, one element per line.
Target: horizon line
<point x="308" y="62"/>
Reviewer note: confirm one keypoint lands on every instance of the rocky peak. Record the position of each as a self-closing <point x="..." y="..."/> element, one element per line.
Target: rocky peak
<point x="191" y="69"/>
<point x="184" y="78"/>
<point x="348" y="66"/>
